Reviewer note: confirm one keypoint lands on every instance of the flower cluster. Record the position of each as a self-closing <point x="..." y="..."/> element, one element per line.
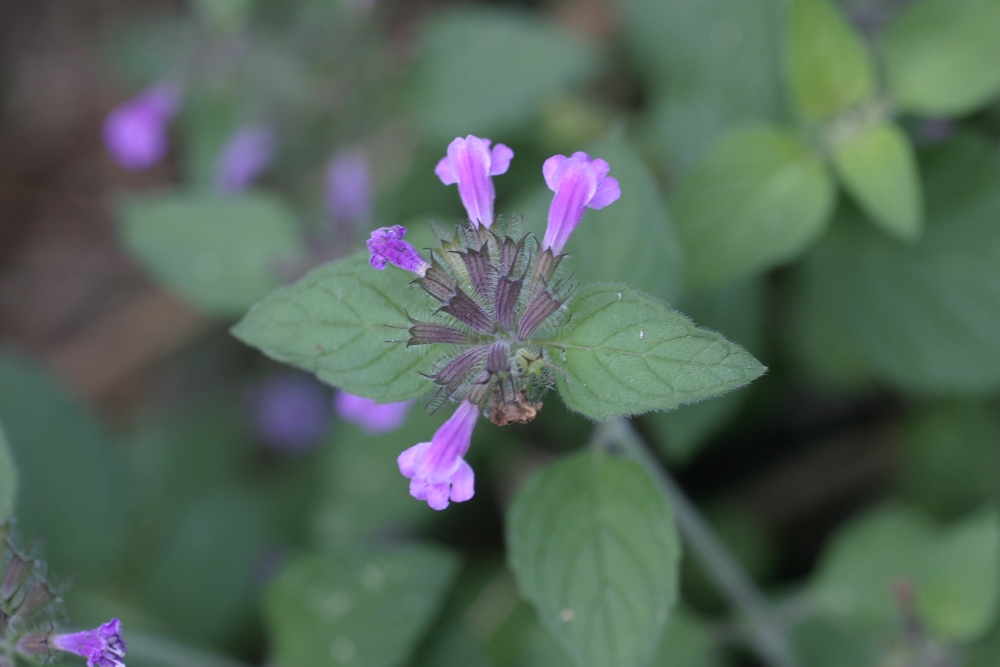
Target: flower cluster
<point x="28" y="608"/>
<point x="498" y="295"/>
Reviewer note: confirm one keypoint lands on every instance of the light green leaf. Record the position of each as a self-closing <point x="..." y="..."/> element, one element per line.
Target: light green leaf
<point x="69" y="476"/>
<point x="8" y="480"/>
<point x="624" y="352"/>
<point x="941" y="56"/>
<point x="633" y="240"/>
<point x="925" y="315"/>
<point x="953" y="572"/>
<point x="829" y="67"/>
<point x="825" y="640"/>
<point x="879" y="169"/>
<point x="488" y="71"/>
<point x="959" y="590"/>
<point x="711" y="65"/>
<point x="333" y="610"/>
<point x="336" y="322"/>
<point x="220" y="253"/>
<point x="759" y="199"/>
<point x="593" y="544"/>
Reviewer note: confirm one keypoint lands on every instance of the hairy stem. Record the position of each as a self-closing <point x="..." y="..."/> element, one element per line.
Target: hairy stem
<point x="764" y="629"/>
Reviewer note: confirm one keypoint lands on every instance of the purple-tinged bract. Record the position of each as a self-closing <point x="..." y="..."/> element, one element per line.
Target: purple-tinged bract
<point x="372" y="417"/>
<point x="437" y="469"/>
<point x="471" y="163"/>
<point x="245" y="156"/>
<point x="387" y="246"/>
<point x="136" y="132"/>
<point x="579" y="182"/>
<point x="102" y="647"/>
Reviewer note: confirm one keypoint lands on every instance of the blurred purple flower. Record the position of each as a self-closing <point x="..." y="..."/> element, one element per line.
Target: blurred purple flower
<point x="102" y="647"/>
<point x="937" y="129"/>
<point x="136" y="132"/>
<point x="349" y="188"/>
<point x="437" y="470"/>
<point x="245" y="156"/>
<point x="472" y="164"/>
<point x="579" y="182"/>
<point x="373" y="417"/>
<point x="387" y="246"/>
<point x="291" y="412"/>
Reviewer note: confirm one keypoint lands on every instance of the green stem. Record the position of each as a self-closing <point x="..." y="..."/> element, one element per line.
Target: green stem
<point x="764" y="629"/>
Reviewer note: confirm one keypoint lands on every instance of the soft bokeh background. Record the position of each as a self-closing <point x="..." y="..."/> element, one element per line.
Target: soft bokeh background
<point x="853" y="246"/>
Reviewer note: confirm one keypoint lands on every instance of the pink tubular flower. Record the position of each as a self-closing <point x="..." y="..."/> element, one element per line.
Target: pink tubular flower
<point x="579" y="182"/>
<point x="387" y="246"/>
<point x="471" y="163"/>
<point x="136" y="132"/>
<point x="436" y="469"/>
<point x="102" y="647"/>
<point x="245" y="156"/>
<point x="372" y="417"/>
<point x="349" y="188"/>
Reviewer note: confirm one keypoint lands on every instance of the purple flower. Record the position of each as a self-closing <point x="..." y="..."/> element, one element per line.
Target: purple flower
<point x="578" y="182"/>
<point x="246" y="154"/>
<point x="471" y="163"/>
<point x="386" y="245"/>
<point x="102" y="647"/>
<point x="349" y="188"/>
<point x="136" y="132"/>
<point x="371" y="416"/>
<point x="436" y="469"/>
<point x="290" y="412"/>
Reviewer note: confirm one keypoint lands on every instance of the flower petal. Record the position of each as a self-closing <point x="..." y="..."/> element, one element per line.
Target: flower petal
<point x="608" y="191"/>
<point x="463" y="483"/>
<point x="500" y="157"/>
<point x="549" y="170"/>
<point x="445" y="172"/>
<point x="408" y="459"/>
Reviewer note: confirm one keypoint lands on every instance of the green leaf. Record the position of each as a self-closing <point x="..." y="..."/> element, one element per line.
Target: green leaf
<point x="711" y="65"/>
<point x="624" y="352"/>
<point x="759" y="199"/>
<point x="953" y="572"/>
<point x="342" y="609"/>
<point x="8" y="480"/>
<point x="593" y="544"/>
<point x="829" y="66"/>
<point x="925" y="315"/>
<point x="488" y="71"/>
<point x="69" y="476"/>
<point x="941" y="55"/>
<point x="633" y="240"/>
<point x="737" y="312"/>
<point x="221" y="253"/>
<point x="687" y="642"/>
<point x="336" y="322"/>
<point x="879" y="169"/>
<point x="202" y="575"/>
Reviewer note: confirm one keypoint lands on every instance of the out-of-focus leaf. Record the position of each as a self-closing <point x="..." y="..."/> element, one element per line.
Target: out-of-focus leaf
<point x="712" y="65"/>
<point x="949" y="456"/>
<point x="687" y="642"/>
<point x="337" y="321"/>
<point x="593" y="544"/>
<point x="737" y="312"/>
<point x="952" y="572"/>
<point x="145" y="650"/>
<point x="222" y="253"/>
<point x="633" y="240"/>
<point x="759" y="199"/>
<point x="69" y="477"/>
<point x="627" y="353"/>
<point x="879" y="169"/>
<point x="8" y="480"/>
<point x="830" y="69"/>
<point x="332" y="610"/>
<point x="202" y="578"/>
<point x="925" y="316"/>
<point x="823" y="640"/>
<point x="941" y="55"/>
<point x="487" y="71"/>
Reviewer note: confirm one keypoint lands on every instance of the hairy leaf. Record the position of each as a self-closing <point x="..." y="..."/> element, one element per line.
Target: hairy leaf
<point x="336" y="322"/>
<point x="593" y="544"/>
